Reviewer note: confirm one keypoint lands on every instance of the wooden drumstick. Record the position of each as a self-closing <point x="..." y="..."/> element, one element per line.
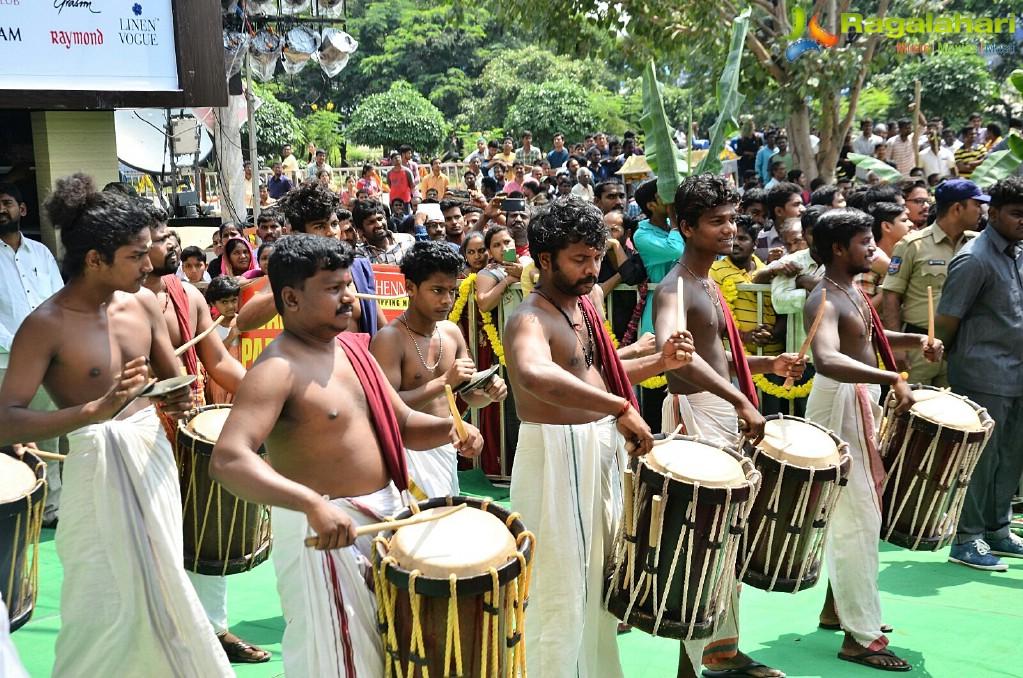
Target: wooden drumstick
<point x="809" y="335"/>
<point x="373" y="528"/>
<point x="379" y="297"/>
<point x="930" y="316"/>
<point x="680" y="313"/>
<point x="668" y="438"/>
<point x="43" y="454"/>
<point x="180" y="350"/>
<point x="459" y="424"/>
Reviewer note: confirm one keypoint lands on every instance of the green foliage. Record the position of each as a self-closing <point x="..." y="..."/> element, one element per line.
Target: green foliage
<point x="360" y="155"/>
<point x="399" y="116"/>
<point x="875" y="103"/>
<point x="507" y="73"/>
<point x="728" y="98"/>
<point x="277" y="126"/>
<point x="551" y="107"/>
<point x="1000" y="164"/>
<point x="662" y="154"/>
<point x="883" y="170"/>
<point x="951" y="85"/>
<point x="323" y="127"/>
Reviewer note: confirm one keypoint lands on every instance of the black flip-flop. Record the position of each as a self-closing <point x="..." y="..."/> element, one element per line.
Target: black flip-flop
<point x="862" y="658"/>
<point x="741" y="672"/>
<point x="237" y="653"/>
<point x="885" y="628"/>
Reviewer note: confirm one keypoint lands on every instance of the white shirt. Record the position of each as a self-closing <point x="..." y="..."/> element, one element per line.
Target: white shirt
<point x="865" y="146"/>
<point x="941" y="164"/>
<point x="584" y="192"/>
<point x="28" y="277"/>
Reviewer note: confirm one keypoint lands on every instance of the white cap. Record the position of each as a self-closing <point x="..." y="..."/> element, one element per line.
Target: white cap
<point x="431" y="210"/>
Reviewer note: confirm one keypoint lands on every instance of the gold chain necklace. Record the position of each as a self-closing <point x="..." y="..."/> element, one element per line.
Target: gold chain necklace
<point x="868" y="321"/>
<point x="440" y="339"/>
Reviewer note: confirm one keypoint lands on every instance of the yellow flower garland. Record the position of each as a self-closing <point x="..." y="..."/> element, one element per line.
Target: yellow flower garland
<point x="777" y="391"/>
<point x="464" y="290"/>
<point x="651" y="383"/>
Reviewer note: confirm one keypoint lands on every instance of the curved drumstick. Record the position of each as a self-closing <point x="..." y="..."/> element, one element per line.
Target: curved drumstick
<point x="373" y="528"/>
<point x="43" y="454"/>
<point x="809" y="335"/>
<point x="180" y="350"/>
<point x="459" y="424"/>
<point x="379" y="297"/>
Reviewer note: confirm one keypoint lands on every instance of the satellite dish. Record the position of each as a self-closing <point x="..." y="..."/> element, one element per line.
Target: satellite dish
<point x="141" y="135"/>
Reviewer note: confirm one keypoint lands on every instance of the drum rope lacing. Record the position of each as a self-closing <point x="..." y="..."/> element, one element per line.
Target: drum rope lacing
<point x="935" y="522"/>
<point x="28" y="586"/>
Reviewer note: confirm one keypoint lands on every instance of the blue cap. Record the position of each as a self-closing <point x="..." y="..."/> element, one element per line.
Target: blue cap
<point x="956" y="190"/>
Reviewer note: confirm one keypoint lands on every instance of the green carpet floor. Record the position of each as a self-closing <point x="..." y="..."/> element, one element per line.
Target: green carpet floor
<point x="950" y="621"/>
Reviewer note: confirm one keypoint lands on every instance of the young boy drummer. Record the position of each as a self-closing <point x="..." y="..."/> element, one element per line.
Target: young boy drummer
<point x="334" y="431"/>
<point x="421" y="352"/>
<point x="844" y="399"/>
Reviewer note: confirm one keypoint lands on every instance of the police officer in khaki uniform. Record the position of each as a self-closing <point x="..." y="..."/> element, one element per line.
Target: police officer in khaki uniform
<point x="920" y="260"/>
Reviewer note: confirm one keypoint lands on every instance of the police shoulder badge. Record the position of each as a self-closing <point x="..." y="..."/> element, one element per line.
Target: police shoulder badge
<point x="894" y="267"/>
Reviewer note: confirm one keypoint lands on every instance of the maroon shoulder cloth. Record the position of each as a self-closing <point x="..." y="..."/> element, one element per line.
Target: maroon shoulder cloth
<point x="739" y="362"/>
<point x="178" y="297"/>
<point x="614" y="371"/>
<point x="880" y="340"/>
<point x="381" y="414"/>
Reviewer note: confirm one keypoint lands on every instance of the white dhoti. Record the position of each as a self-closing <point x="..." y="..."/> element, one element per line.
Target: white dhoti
<point x="328" y="607"/>
<point x="211" y="590"/>
<point x="566" y="484"/>
<point x="852" y="412"/>
<point x="714" y="421"/>
<point x="10" y="664"/>
<point x="126" y="607"/>
<point x="434" y="472"/>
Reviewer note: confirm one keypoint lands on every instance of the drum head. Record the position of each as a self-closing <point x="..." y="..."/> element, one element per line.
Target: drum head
<point x="800" y="443"/>
<point x="466" y="544"/>
<point x="209" y="423"/>
<point x="697" y="462"/>
<point x="946" y="409"/>
<point x="16" y="478"/>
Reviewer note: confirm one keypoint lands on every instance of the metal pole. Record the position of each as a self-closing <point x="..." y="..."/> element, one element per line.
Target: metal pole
<point x="250" y="100"/>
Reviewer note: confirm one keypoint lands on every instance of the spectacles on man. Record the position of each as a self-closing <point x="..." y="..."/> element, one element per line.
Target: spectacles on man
<point x="920" y="201"/>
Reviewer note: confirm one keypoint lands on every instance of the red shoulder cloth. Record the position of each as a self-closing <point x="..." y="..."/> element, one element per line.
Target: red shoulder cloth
<point x="880" y="340"/>
<point x="381" y="414"/>
<point x="614" y="371"/>
<point x="178" y="297"/>
<point x="739" y="362"/>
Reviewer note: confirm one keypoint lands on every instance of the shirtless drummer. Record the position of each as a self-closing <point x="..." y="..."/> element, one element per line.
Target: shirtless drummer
<point x="186" y="314"/>
<point x="422" y="351"/>
<point x="700" y="394"/>
<point x="119" y="537"/>
<point x="574" y="396"/>
<point x="334" y="431"/>
<point x="844" y="400"/>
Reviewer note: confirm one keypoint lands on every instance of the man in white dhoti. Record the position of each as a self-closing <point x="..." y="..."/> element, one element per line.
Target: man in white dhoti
<point x="575" y="399"/>
<point x="844" y="400"/>
<point x="126" y="606"/>
<point x="700" y="395"/>
<point x="10" y="663"/>
<point x="330" y="422"/>
<point x="421" y="352"/>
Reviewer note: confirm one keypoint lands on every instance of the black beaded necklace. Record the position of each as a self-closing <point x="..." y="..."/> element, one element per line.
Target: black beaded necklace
<point x="588" y="355"/>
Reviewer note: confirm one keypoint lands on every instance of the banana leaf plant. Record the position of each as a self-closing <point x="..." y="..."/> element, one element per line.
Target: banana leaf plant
<point x="883" y="170"/>
<point x="1000" y="164"/>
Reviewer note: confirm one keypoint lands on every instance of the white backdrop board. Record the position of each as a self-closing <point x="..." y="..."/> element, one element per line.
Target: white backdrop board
<point x="105" y="45"/>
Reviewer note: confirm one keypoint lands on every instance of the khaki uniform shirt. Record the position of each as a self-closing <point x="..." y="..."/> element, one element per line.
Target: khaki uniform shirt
<point x="920" y="260"/>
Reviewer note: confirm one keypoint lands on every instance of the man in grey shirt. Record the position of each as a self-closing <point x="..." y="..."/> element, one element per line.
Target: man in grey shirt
<point x="980" y="316"/>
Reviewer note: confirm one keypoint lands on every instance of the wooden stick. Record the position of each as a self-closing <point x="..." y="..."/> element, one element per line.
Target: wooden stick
<point x="180" y="350"/>
<point x="930" y="316"/>
<point x="43" y="454"/>
<point x="379" y="297"/>
<point x="809" y="335"/>
<point x="459" y="424"/>
<point x="680" y="317"/>
<point x="671" y="436"/>
<point x="373" y="528"/>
